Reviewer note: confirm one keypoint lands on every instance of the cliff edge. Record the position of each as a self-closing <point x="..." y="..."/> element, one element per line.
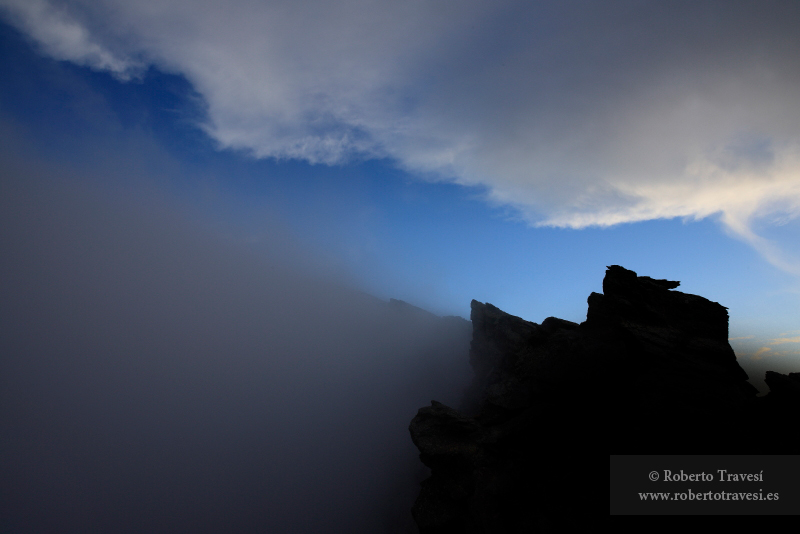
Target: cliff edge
<point x="650" y="371"/>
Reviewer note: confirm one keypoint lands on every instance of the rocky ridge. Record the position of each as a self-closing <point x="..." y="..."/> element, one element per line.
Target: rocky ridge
<point x="650" y="371"/>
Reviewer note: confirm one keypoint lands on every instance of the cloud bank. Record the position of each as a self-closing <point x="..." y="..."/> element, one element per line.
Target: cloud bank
<point x="158" y="378"/>
<point x="574" y="113"/>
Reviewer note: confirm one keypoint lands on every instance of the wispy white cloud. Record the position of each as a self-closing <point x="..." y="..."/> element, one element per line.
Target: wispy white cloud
<point x="63" y="37"/>
<point x="576" y="114"/>
<point x="780" y="341"/>
<point x="761" y="353"/>
<point x="770" y="352"/>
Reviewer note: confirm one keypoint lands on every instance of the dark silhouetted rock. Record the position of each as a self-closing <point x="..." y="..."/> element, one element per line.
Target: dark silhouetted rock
<point x="783" y="387"/>
<point x="650" y="371"/>
<point x="776" y="412"/>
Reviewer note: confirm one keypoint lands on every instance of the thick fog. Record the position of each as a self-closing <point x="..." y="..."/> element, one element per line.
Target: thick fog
<point x="157" y="378"/>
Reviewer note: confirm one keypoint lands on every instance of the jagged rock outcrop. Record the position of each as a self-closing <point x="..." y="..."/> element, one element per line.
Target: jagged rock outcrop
<point x="783" y="387"/>
<point x="650" y="371"/>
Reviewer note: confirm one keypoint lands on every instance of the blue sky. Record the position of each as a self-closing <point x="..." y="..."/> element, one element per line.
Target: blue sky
<point x="501" y="152"/>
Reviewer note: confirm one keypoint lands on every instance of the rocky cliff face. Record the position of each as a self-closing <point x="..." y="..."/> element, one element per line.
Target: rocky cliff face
<point x="650" y="371"/>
